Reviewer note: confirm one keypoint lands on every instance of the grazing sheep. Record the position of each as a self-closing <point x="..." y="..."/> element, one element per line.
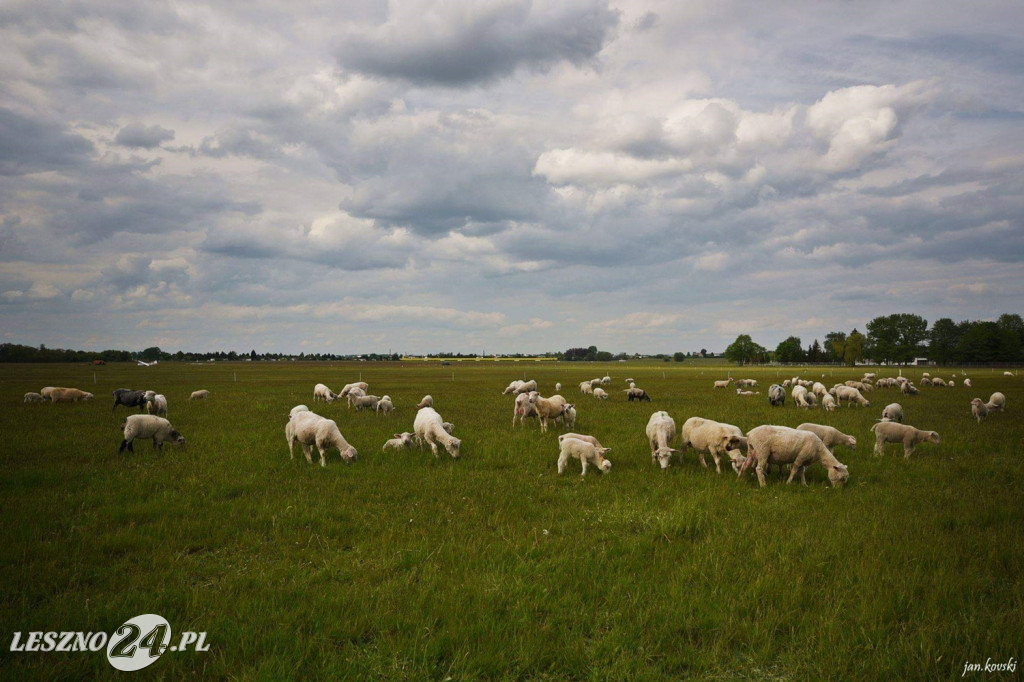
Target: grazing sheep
<point x="740" y="391"/>
<point x="715" y="437"/>
<point x="776" y="395"/>
<point x="46" y="391"/>
<point x="783" y="445"/>
<point x="907" y="388"/>
<point x="558" y="387"/>
<point x="800" y="396"/>
<point x="512" y="388"/>
<point x="819" y="389"/>
<point x="1008" y="374"/>
<point x="321" y="392"/>
<point x="427" y="401"/>
<point x="523" y="408"/>
<point x="148" y="426"/>
<point x="828" y="403"/>
<point x="925" y="381"/>
<point x="295" y="410"/>
<point x="638" y="394"/>
<point x="347" y="388"/>
<point x="158" y="405"/>
<point x="199" y="395"/>
<point x="526" y="386"/>
<point x="893" y="412"/>
<point x="830" y="436"/>
<point x="661" y="429"/>
<point x="723" y="384"/>
<point x="364" y="401"/>
<point x="786" y="383"/>
<point x="547" y="408"/>
<point x="746" y="383"/>
<point x="600" y="394"/>
<point x="353" y="393"/>
<point x="129" y="398"/>
<point x="588" y="439"/>
<point x="894" y="432"/>
<point x="385" y="405"/>
<point x="869" y="376"/>
<point x="594" y="383"/>
<point x="606" y="380"/>
<point x="998" y="400"/>
<point x="401" y="440"/>
<point x="979" y="409"/>
<point x="428" y="427"/>
<point x="586" y="453"/>
<point x="586" y="388"/>
<point x="34" y="398"/>
<point x="308" y="429"/>
<point x="925" y="375"/>
<point x="69" y="395"/>
<point x="850" y="395"/>
<point x="938" y="382"/>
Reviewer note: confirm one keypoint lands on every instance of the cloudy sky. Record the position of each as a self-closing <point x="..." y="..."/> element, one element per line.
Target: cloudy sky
<point x="504" y="175"/>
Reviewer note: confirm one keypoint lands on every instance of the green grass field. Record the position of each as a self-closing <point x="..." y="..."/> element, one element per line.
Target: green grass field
<point x="400" y="566"/>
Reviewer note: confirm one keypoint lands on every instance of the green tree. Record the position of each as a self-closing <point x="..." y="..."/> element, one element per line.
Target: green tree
<point x="743" y="350"/>
<point x="896" y="338"/>
<point x="853" y="349"/>
<point x="835" y="346"/>
<point x="679" y="357"/>
<point x="790" y="350"/>
<point x="943" y="340"/>
<point x="1011" y="337"/>
<point x="815" y="353"/>
<point x="150" y="354"/>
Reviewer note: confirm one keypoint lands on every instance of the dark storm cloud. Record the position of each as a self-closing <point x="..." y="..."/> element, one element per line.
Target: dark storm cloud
<point x="452" y="46"/>
<point x="142" y="136"/>
<point x="30" y="145"/>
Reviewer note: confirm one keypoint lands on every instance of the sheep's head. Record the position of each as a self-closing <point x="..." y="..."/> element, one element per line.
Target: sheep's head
<point x="177" y="438"/>
<point x="349" y="454"/>
<point x="453" y="447"/>
<point x="664" y="455"/>
<point x="838" y="475"/>
<point x="851" y="442"/>
<point x="933" y="437"/>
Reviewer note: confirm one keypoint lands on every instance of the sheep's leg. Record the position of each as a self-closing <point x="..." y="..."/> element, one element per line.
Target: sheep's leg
<point x="563" y="459"/>
<point x="714" y="454"/>
<point x="879" y="446"/>
<point x="908" y="450"/>
<point x="433" y="447"/>
<point x="761" y="466"/>
<point x="583" y="461"/>
<point x="124" y="444"/>
<point x="308" y="453"/>
<point x="703" y="463"/>
<point x="323" y="455"/>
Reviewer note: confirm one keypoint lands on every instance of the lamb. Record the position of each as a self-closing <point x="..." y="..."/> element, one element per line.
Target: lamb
<point x="129" y="398"/>
<point x="800" y="396"/>
<point x="427" y="401"/>
<point x="588" y="439"/>
<point x="828" y="403"/>
<point x="307" y="429"/>
<point x="938" y="382"/>
<point x="594" y="383"/>
<point x="783" y="445"/>
<point x="637" y="394"/>
<point x="715" y="437"/>
<point x="428" y="427"/>
<point x="893" y="412"/>
<point x="347" y="388"/>
<point x="600" y="394"/>
<point x="69" y="395"/>
<point x="746" y="383"/>
<point x="364" y="401"/>
<point x="46" y="390"/>
<point x="723" y="384"/>
<point x="148" y="426"/>
<point x="158" y="405"/>
<point x="199" y="395"/>
<point x="295" y="410"/>
<point x="776" y="395"/>
<point x="907" y="388"/>
<point x="998" y="400"/>
<point x="606" y="380"/>
<point x="925" y="381"/>
<point x="34" y="397"/>
<point x="893" y="432"/>
<point x="586" y="453"/>
<point x="321" y="392"/>
<point x="512" y="388"/>
<point x="401" y="440"/>
<point x="586" y="388"/>
<point x="859" y="385"/>
<point x="819" y="389"/>
<point x="385" y="405"/>
<point x="850" y="394"/>
<point x="523" y="408"/>
<point x="558" y="387"/>
<point x="353" y="393"/>
<point x="786" y="383"/>
<point x="830" y="436"/>
<point x="740" y="391"/>
<point x="868" y="376"/>
<point x="661" y="429"/>
<point x="568" y="417"/>
<point x="1007" y="374"/>
<point x="527" y="386"/>
<point x="979" y="409"/>
<point x="547" y="408"/>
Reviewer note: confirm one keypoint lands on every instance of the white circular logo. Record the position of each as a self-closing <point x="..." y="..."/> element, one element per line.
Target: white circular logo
<point x="138" y="642"/>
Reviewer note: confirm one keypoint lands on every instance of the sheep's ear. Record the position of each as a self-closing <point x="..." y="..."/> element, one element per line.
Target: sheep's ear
<point x="397" y="435"/>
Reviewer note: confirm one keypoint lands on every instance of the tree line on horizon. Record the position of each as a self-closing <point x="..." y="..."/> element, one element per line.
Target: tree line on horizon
<point x="898" y="339"/>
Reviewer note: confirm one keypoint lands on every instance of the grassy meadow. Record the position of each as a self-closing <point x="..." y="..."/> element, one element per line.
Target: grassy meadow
<point x="403" y="566"/>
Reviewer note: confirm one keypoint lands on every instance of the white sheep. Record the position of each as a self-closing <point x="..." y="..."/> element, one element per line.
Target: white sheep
<point x="586" y="388"/>
<point x="558" y="387"/>
<point x="578" y="436"/>
<point x="353" y="393"/>
<point x="714" y="437"/>
<point x="45" y="391"/>
<point x="69" y="395"/>
<point x="800" y="396"/>
<point x="548" y="408"/>
<point x="295" y="410"/>
<point x="512" y="388"/>
<point x="938" y="382"/>
<point x="828" y="403"/>
<point x="600" y="394"/>
<point x="776" y="395"/>
<point x="586" y="453"/>
<point x="199" y="395"/>
<point x="148" y="426"/>
<point x="321" y="392"/>
<point x="907" y="388"/>
<point x="364" y="401"/>
<point x="894" y="432"/>
<point x="783" y="445"/>
<point x="661" y="429"/>
<point x="997" y="401"/>
<point x="34" y="397"/>
<point x="527" y="386"/>
<point x="979" y="409"/>
<point x="819" y="389"/>
<point x="850" y="395"/>
<point x="606" y="380"/>
<point x="522" y="409"/>
<point x="1008" y="374"/>
<point x="568" y="417"/>
<point x="830" y="436"/>
<point x="429" y="427"/>
<point x="427" y="401"/>
<point x="893" y="412"/>
<point x="400" y="441"/>
<point x="385" y="405"/>
<point x="740" y="391"/>
<point x="723" y="384"/>
<point x="308" y="429"/>
<point x="347" y="388"/>
<point x="158" y="405"/>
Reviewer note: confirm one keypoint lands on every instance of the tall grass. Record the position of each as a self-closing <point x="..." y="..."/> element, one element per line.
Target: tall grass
<point x="403" y="566"/>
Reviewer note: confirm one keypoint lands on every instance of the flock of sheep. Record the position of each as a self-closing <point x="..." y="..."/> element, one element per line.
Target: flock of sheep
<point x="761" y="448"/>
